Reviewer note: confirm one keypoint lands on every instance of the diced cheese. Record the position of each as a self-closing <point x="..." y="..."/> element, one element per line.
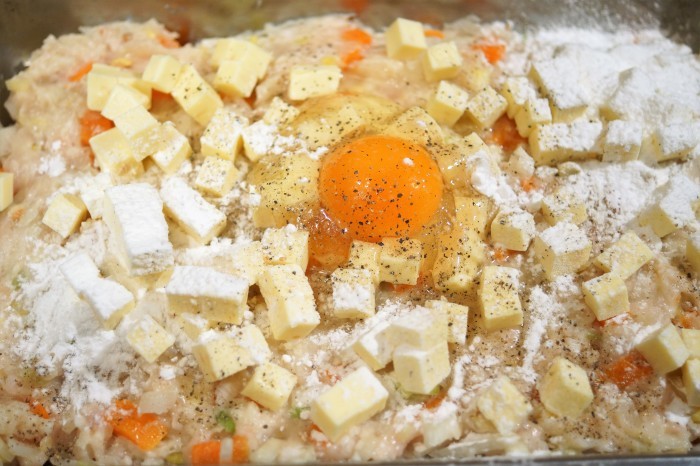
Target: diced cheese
<point x="221" y="355"/>
<point x="675" y="141"/>
<point x="214" y="295"/>
<point x="141" y="130"/>
<point x="123" y="98"/>
<point x="290" y="301"/>
<point x="306" y="82"/>
<point x="188" y="208"/>
<point x="270" y="386"/>
<point x="421" y="370"/>
<point x="486" y="107"/>
<point x="421" y="328"/>
<point x="114" y="155"/>
<point x="624" y="257"/>
<point x="280" y="113"/>
<point x="453" y="160"/>
<point x="676" y="207"/>
<point x="404" y="39"/>
<point x="134" y="215"/>
<point x="561" y="142"/>
<point x="352" y="401"/>
<point x="460" y="254"/>
<point x="400" y="260"/>
<point x="162" y="72"/>
<point x="514" y="229"/>
<point x="517" y="91"/>
<point x="149" y="339"/>
<point x="457" y="319"/>
<point x="562" y="206"/>
<point x="374" y="347"/>
<point x="416" y="125"/>
<point x="472" y="212"/>
<point x="216" y="176"/>
<point x="623" y="141"/>
<point x="691" y="381"/>
<point x="365" y="256"/>
<point x="258" y="140"/>
<point x="248" y="261"/>
<point x="664" y="350"/>
<point x="562" y="249"/>
<point x="65" y="214"/>
<point x="503" y="405"/>
<point x="535" y="112"/>
<point x="441" y="61"/>
<point x="565" y="389"/>
<point x="286" y="245"/>
<point x="499" y="297"/>
<point x="441" y="425"/>
<point x="6" y="190"/>
<point x="692" y="251"/>
<point x="192" y="324"/>
<point x="606" y="296"/>
<point x="102" y="79"/>
<point x="223" y="135"/>
<point x="353" y="293"/>
<point x="691" y="340"/>
<point x="317" y="132"/>
<point x="559" y="80"/>
<point x="448" y="103"/>
<point x="174" y="148"/>
<point x="521" y="164"/>
<point x="250" y="55"/>
<point x="196" y="97"/>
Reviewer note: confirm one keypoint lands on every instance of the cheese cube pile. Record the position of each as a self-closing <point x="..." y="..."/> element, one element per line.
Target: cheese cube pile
<point x="221" y="355"/>
<point x="102" y="79"/>
<point x="623" y="141"/>
<point x="565" y="389"/>
<point x="441" y="61"/>
<point x="503" y="405"/>
<point x="223" y="135"/>
<point x="196" y="97"/>
<point x="405" y="39"/>
<point x="499" y="297"/>
<point x="692" y="251"/>
<point x="149" y="339"/>
<point x="486" y="107"/>
<point x="562" y="249"/>
<point x="561" y="142"/>
<point x="353" y="293"/>
<point x="162" y="72"/>
<point x="188" y="209"/>
<point x="65" y="214"/>
<point x="460" y="255"/>
<point x="676" y="207"/>
<point x="606" y="296"/>
<point x="216" y="176"/>
<point x="241" y="64"/>
<point x="306" y="82"/>
<point x="562" y="206"/>
<point x="174" y="148"/>
<point x="535" y="112"/>
<point x="691" y="381"/>
<point x="517" y="91"/>
<point x="374" y="347"/>
<point x="448" y="103"/>
<point x="6" y="190"/>
<point x="270" y="386"/>
<point x="123" y="98"/>
<point x="664" y="349"/>
<point x="472" y="212"/>
<point x="365" y="256"/>
<point x="513" y="229"/>
<point x="625" y="257"/>
<point x="286" y="245"/>
<point x="114" y="155"/>
<point x="400" y="260"/>
<point x="421" y="370"/>
<point x="457" y="319"/>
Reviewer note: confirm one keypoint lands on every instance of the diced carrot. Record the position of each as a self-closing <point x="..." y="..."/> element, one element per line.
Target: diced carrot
<point x="434" y="33"/>
<point x="628" y="370"/>
<point x="352" y="57"/>
<point x="241" y="449"/>
<point x="92" y="124"/>
<point x="157" y="96"/>
<point x="209" y="452"/>
<point x="315" y="436"/>
<point x="36" y="408"/>
<point x="530" y="184"/>
<point x="328" y="377"/>
<point x="492" y="51"/>
<point x="435" y="401"/>
<point x="505" y="134"/>
<point x="358" y="6"/>
<point x="401" y="288"/>
<point x="501" y="254"/>
<point x="168" y="42"/>
<point x="250" y="100"/>
<point x="82" y="71"/>
<point x="144" y="430"/>
<point x="357" y="35"/>
<point x="17" y="214"/>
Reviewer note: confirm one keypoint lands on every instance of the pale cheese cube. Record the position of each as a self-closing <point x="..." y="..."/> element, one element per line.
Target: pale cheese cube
<point x="676" y="207"/>
<point x="65" y="214"/>
<point x="625" y="257"/>
<point x="499" y="297"/>
<point x="691" y="340"/>
<point x="317" y="131"/>
<point x="173" y="150"/>
<point x="374" y="347"/>
<point x="280" y="113"/>
<point x="114" y="155"/>
<point x="248" y="261"/>
<point x="258" y="140"/>
<point x="149" y="339"/>
<point x="454" y="160"/>
<point x="188" y="209"/>
<point x="415" y="124"/>
<point x="270" y="386"/>
<point x="691" y="381"/>
<point x="504" y="406"/>
<point x="365" y="256"/>
<point x="441" y="61"/>
<point x="448" y="103"/>
<point x="352" y="401"/>
<point x="521" y="164"/>
<point x="238" y="75"/>
<point x="460" y="254"/>
<point x="162" y="72"/>
<point x="606" y="296"/>
<point x="286" y="245"/>
<point x="623" y="141"/>
<point x="514" y="229"/>
<point x="421" y="328"/>
<point x="441" y="425"/>
<point x="196" y="97"/>
<point x="457" y="319"/>
<point x="221" y="355"/>
<point x="223" y="136"/>
<point x="692" y="251"/>
<point x="562" y="206"/>
<point x="306" y="82"/>
<point x="486" y="107"/>
<point x="192" y="324"/>
<point x="559" y="80"/>
<point x="565" y="389"/>
<point x="561" y="142"/>
<point x="664" y="350"/>
<point x="141" y="130"/>
<point x="123" y="98"/>
<point x="517" y="91"/>
<point x="535" y="112"/>
<point x="472" y="212"/>
<point x="250" y="55"/>
<point x="102" y="79"/>
<point x="404" y="39"/>
<point x="216" y="176"/>
<point x="6" y="190"/>
<point x="421" y="370"/>
<point x="562" y="249"/>
<point x="216" y="296"/>
<point x="353" y="293"/>
<point x="400" y="260"/>
<point x="290" y="301"/>
<point x="675" y="141"/>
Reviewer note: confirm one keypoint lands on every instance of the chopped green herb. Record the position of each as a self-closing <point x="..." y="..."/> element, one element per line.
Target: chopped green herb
<point x="296" y="412"/>
<point x="226" y="421"/>
<point x="175" y="458"/>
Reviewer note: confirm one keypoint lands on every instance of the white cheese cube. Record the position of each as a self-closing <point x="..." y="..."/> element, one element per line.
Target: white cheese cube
<point x="216" y="176"/>
<point x="221" y="355"/>
<point x="486" y="107"/>
<point x="365" y="256"/>
<point x="561" y="142"/>
<point x="280" y="113"/>
<point x="196" y="97"/>
<point x="134" y="216"/>
<point x="141" y="130"/>
<point x="114" y="155"/>
<point x="162" y="72"/>
<point x="352" y="401"/>
<point x="535" y="112"/>
<point x="174" y="148"/>
<point x="214" y="295"/>
<point x="675" y="141"/>
<point x="472" y="212"/>
<point x="290" y="301"/>
<point x="258" y="140"/>
<point x="606" y="296"/>
<point x="223" y="135"/>
<point x="441" y="425"/>
<point x="149" y="339"/>
<point x="65" y="214"/>
<point x="193" y="325"/>
<point x="457" y="319"/>
<point x="270" y="386"/>
<point x="374" y="347"/>
<point x="286" y="245"/>
<point x="513" y="229"/>
<point x="353" y="293"/>
<point x="421" y="370"/>
<point x="123" y="98"/>
<point x="248" y="261"/>
<point x="692" y="251"/>
<point x="562" y="249"/>
<point x="521" y="164"/>
<point x="421" y="328"/>
<point x="664" y="350"/>
<point x="565" y="389"/>
<point x="625" y="257"/>
<point x="448" y="103"/>
<point x="400" y="260"/>
<point x="404" y="39"/>
<point x="459" y="257"/>
<point x="676" y="207"/>
<point x="623" y="141"/>
<point x="559" y="79"/>
<point x="500" y="301"/>
<point x="503" y="405"/>
<point x="306" y="82"/>
<point x="691" y="340"/>
<point x="441" y="61"/>
<point x="188" y="208"/>
<point x="691" y="381"/>
<point x="6" y="190"/>
<point x="517" y="91"/>
<point x="562" y="206"/>
<point x="102" y="79"/>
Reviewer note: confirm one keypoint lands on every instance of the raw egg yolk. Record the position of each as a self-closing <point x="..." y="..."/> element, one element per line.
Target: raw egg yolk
<point x="380" y="186"/>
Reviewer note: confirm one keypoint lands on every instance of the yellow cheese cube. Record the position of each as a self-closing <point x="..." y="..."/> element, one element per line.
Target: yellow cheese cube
<point x="486" y="107"/>
<point x="196" y="97"/>
<point x="416" y="125"/>
<point x="190" y="211"/>
<point x="457" y="319"/>
<point x="514" y="229"/>
<point x="404" y="39"/>
<point x="521" y="164"/>
<point x="290" y="301"/>
<point x="317" y="132"/>
<point x="664" y="349"/>
<point x="270" y="386"/>
<point x="500" y="301"/>
<point x="676" y="207"/>
<point x="234" y="79"/>
<point x="248" y="261"/>
<point x="258" y="140"/>
<point x="149" y="339"/>
<point x="472" y="212"/>
<point x="286" y="245"/>
<point x="565" y="389"/>
<point x="246" y="52"/>
<point x="220" y="355"/>
<point x="459" y="256"/>
<point x="674" y="141"/>
<point x="441" y="61"/>
<point x="365" y="256"/>
<point x="453" y="160"/>
<point x="223" y="135"/>
<point x="517" y="91"/>
<point x="448" y="103"/>
<point x="623" y="141"/>
<point x="441" y="425"/>
<point x="353" y="293"/>
<point x="561" y="142"/>
<point x="606" y="296"/>
<point x="162" y="72"/>
<point x="534" y="112"/>
<point x="306" y="82"/>
<point x="353" y="400"/>
<point x="65" y="214"/>
<point x="123" y="98"/>
<point x="421" y="370"/>
<point x="624" y="257"/>
<point x="691" y="381"/>
<point x="193" y="325"/>
<point x="692" y="248"/>
<point x="374" y="347"/>
<point x="102" y="79"/>
<point x="114" y="155"/>
<point x="216" y="176"/>
<point x="280" y="113"/>
<point x="400" y="260"/>
<point x="421" y="328"/>
<point x="691" y="340"/>
<point x="141" y="130"/>
<point x="6" y="190"/>
<point x="562" y="206"/>
<point x="562" y="249"/>
<point x="174" y="148"/>
<point x="555" y="77"/>
<point x="503" y="405"/>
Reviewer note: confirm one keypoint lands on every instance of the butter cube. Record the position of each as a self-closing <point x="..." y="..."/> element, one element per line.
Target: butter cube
<point x="623" y="141"/>
<point x="459" y="257"/>
<point x="162" y="72"/>
<point x="248" y="261"/>
<point x="221" y="355"/>
<point x="400" y="260"/>
<point x="562" y="206"/>
<point x="565" y="389"/>
<point x="223" y="135"/>
<point x="675" y="141"/>
<point x="415" y="124"/>
<point x="306" y="82"/>
<point x="421" y="370"/>
<point x="448" y="103"/>
<point x="188" y="209"/>
<point x="457" y="319"/>
<point x="514" y="229"/>
<point x="374" y="347"/>
<point x="290" y="301"/>
<point x="174" y="148"/>
<point x="216" y="176"/>
<point x="624" y="257"/>
<point x="472" y="212"/>
<point x="352" y="401"/>
<point x="606" y="296"/>
<point x="6" y="190"/>
<point x="521" y="164"/>
<point x="286" y="245"/>
<point x="149" y="339"/>
<point x="365" y="256"/>
<point x="114" y="155"/>
<point x="664" y="350"/>
<point x="353" y="293"/>
<point x="214" y="295"/>
<point x="535" y="112"/>
<point x="102" y="79"/>
<point x="691" y="340"/>
<point x="280" y="113"/>
<point x="562" y="249"/>
<point x="141" y="130"/>
<point x="421" y="328"/>
<point x="65" y="214"/>
<point x="123" y="98"/>
<point x="270" y="386"/>
<point x="517" y="91"/>
<point x="441" y="61"/>
<point x="486" y="107"/>
<point x="692" y="249"/>
<point x="404" y="39"/>
<point x="676" y="207"/>
<point x="561" y="142"/>
<point x="500" y="301"/>
<point x="441" y="425"/>
<point x="196" y="97"/>
<point x="504" y="406"/>
<point x="691" y="381"/>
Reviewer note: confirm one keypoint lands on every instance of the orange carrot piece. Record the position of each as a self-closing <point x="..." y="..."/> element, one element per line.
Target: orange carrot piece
<point x="144" y="430"/>
<point x="493" y="52"/>
<point x="168" y="42"/>
<point x="241" y="449"/>
<point x="357" y="35"/>
<point x="209" y="452"/>
<point x="628" y="370"/>
<point x="313" y="439"/>
<point x="505" y="134"/>
<point x="352" y="57"/>
<point x="77" y="76"/>
<point x="501" y="254"/>
<point x="530" y="184"/>
<point x="92" y="124"/>
<point x="36" y="408"/>
<point x="434" y="401"/>
<point x="434" y="33"/>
